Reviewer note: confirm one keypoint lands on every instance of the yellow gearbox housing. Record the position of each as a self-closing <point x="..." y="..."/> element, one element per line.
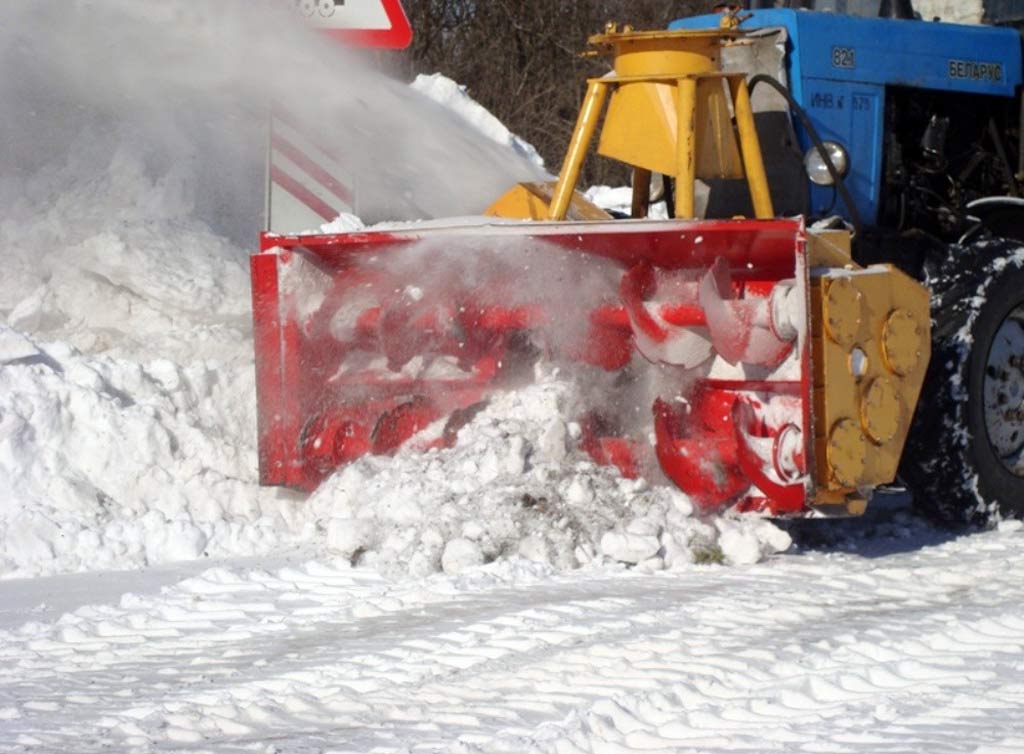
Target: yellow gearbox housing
<point x="870" y="346"/>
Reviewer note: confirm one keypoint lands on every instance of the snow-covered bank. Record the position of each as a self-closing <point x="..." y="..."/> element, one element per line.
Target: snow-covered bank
<point x="127" y="400"/>
<point x="454" y="98"/>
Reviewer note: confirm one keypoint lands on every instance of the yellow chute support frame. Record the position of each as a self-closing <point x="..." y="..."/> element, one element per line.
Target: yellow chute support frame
<point x="668" y="111"/>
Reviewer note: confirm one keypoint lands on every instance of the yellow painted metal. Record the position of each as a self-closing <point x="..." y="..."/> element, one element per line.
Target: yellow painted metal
<point x="844" y="310"/>
<point x="532" y="201"/>
<point x="661" y="53"/>
<point x="669" y="111"/>
<point x="586" y="124"/>
<point x="729" y="21"/>
<point x="753" y="161"/>
<point x="902" y="342"/>
<point x="847" y="452"/>
<point x="870" y="344"/>
<point x="686" y="147"/>
<point x="641" y="127"/>
<point x="855" y="506"/>
<point x="732" y="17"/>
<point x="880" y="410"/>
<point x="832" y="248"/>
<point x="719" y="153"/>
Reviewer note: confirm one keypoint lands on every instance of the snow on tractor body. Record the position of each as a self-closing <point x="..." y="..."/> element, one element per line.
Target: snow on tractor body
<point x="749" y="361"/>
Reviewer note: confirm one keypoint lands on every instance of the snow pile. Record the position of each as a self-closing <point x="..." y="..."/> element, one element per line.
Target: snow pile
<point x="514" y="487"/>
<point x="454" y="97"/>
<point x="108" y="463"/>
<point x="113" y="260"/>
<point x="127" y="420"/>
<point x="127" y="417"/>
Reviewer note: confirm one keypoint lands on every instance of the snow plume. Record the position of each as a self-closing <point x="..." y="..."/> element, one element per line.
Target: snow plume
<point x="189" y="85"/>
<point x="491" y="271"/>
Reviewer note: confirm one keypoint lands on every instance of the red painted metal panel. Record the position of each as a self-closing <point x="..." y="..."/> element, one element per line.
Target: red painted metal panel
<point x="339" y="335"/>
<point x="270" y="389"/>
<point x="753" y="244"/>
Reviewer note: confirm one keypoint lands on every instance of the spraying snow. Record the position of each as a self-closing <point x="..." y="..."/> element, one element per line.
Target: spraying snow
<point x="193" y="83"/>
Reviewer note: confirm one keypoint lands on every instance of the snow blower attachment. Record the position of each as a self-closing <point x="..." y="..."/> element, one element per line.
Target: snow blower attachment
<point x="750" y="361"/>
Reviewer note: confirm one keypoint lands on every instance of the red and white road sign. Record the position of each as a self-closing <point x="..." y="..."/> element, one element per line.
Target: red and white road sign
<point x="368" y="23"/>
<point x="308" y="182"/>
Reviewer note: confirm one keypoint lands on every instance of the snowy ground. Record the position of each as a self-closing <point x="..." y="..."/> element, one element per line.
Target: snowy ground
<point x="503" y="595"/>
<point x="904" y="643"/>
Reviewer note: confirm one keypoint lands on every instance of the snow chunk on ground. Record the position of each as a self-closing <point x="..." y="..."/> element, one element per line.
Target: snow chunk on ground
<point x="513" y="487"/>
<point x="745" y="542"/>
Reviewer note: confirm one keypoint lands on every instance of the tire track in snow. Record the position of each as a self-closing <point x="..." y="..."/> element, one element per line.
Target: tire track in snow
<point x="922" y="652"/>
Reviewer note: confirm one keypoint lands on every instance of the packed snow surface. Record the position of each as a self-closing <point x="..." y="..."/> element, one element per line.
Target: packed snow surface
<point x="909" y="642"/>
<point x="620" y="199"/>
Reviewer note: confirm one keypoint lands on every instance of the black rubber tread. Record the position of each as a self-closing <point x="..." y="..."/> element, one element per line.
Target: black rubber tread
<point x="952" y="470"/>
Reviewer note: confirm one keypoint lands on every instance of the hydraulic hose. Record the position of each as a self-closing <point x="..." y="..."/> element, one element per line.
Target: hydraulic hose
<point x="812" y="132"/>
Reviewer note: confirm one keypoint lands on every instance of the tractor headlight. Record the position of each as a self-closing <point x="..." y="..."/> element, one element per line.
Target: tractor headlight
<point x="817" y="170"/>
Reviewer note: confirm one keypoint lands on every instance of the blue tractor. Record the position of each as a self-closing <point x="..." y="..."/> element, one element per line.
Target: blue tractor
<point x="909" y="132"/>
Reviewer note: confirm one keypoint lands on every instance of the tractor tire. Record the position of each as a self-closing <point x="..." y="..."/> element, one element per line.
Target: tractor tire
<point x="964" y="460"/>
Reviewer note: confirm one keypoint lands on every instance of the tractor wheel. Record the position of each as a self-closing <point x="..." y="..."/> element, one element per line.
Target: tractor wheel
<point x="965" y="456"/>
